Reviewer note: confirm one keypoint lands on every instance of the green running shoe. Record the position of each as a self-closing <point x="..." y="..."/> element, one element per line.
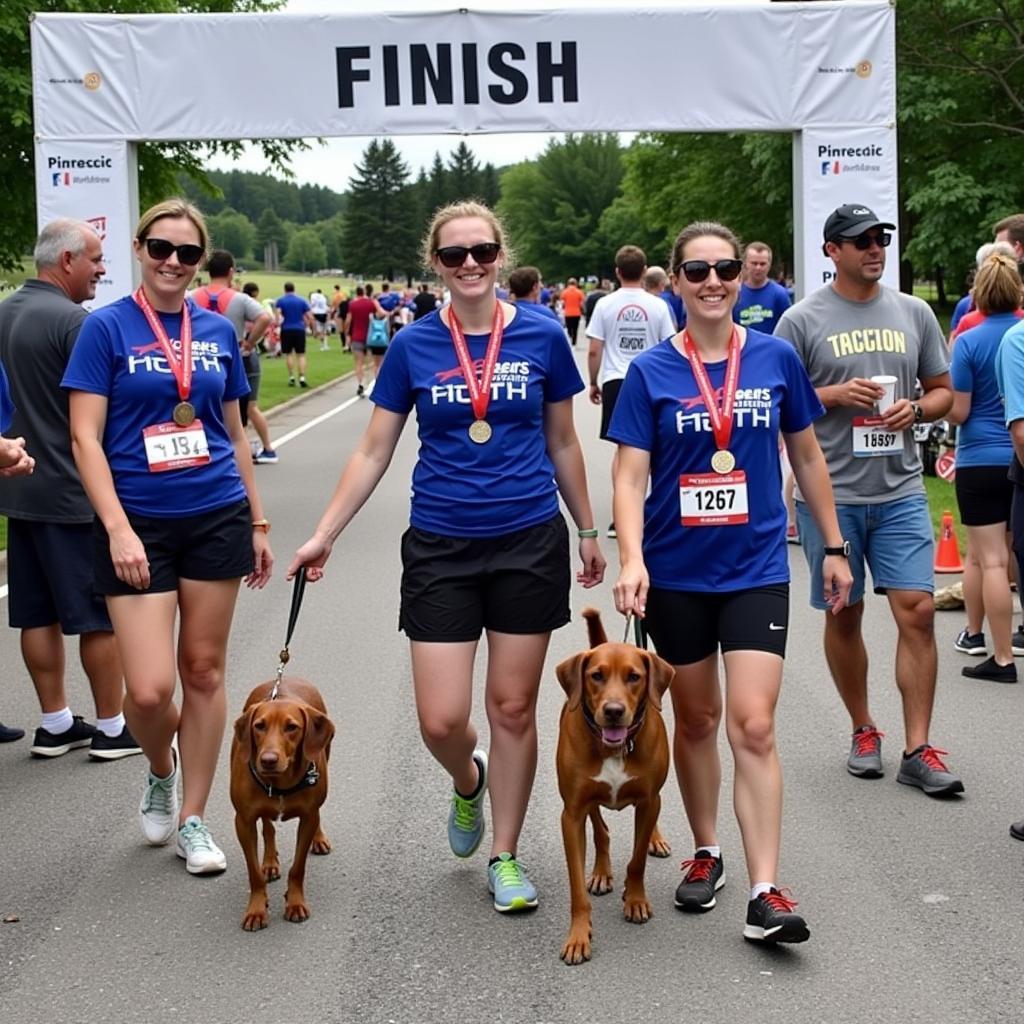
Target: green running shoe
<point x="508" y="883"/>
<point x="466" y="816"/>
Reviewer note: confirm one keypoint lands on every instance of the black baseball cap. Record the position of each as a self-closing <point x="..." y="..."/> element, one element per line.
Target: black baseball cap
<point x="851" y="220"/>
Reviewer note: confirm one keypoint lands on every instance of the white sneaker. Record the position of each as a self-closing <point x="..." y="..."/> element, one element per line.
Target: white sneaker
<point x="202" y="856"/>
<point x="158" y="811"/>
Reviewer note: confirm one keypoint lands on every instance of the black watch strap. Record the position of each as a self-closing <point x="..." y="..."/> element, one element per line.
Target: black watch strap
<point x="843" y="549"/>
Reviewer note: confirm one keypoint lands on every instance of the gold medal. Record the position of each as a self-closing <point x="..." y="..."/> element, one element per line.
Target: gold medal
<point x="723" y="461"/>
<point x="184" y="414"/>
<point x="480" y="431"/>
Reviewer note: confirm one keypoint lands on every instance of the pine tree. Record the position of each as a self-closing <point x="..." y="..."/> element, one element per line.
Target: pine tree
<point x="463" y="174"/>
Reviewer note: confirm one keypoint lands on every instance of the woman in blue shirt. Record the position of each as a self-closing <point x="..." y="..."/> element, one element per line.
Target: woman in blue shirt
<point x="158" y="440"/>
<point x="704" y="557"/>
<point x="487" y="548"/>
<point x="984" y="492"/>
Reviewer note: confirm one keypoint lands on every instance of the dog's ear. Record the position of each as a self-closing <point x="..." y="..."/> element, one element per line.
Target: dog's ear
<point x="659" y="677"/>
<point x="319" y="732"/>
<point x="570" y="676"/>
<point x="243" y="730"/>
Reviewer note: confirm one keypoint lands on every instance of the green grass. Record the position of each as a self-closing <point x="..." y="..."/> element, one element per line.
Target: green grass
<point x="942" y="498"/>
<point x="321" y="367"/>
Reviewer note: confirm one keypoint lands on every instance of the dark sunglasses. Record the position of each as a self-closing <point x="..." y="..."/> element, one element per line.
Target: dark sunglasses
<point x="161" y="249"/>
<point x="452" y="256"/>
<point x="696" y="271"/>
<point x="865" y="241"/>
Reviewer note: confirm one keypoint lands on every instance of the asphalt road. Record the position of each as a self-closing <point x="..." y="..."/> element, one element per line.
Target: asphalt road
<point x="914" y="905"/>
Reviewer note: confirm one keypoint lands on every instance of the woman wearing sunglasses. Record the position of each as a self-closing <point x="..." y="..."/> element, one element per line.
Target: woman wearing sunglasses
<point x="487" y="549"/>
<point x="158" y="440"/>
<point x="704" y="559"/>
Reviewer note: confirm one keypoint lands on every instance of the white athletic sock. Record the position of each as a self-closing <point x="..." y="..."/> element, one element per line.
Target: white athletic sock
<point x="760" y="887"/>
<point x="715" y="851"/>
<point x="56" y="722"/>
<point x="112" y="727"/>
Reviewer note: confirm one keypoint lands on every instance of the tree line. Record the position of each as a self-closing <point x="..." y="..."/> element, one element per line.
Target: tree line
<point x="960" y="109"/>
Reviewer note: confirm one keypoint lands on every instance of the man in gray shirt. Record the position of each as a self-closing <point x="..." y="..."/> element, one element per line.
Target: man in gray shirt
<point x="849" y="335"/>
<point x="49" y="539"/>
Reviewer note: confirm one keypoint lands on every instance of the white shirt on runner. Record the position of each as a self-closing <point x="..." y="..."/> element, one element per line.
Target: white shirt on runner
<point x="628" y="321"/>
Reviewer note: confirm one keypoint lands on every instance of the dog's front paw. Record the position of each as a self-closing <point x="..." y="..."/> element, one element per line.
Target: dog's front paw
<point x="599" y="884"/>
<point x="577" y="946"/>
<point x="271" y="870"/>
<point x="296" y="909"/>
<point x="659" y="845"/>
<point x="321" y="845"/>
<point x="256" y="916"/>
<point x="637" y="909"/>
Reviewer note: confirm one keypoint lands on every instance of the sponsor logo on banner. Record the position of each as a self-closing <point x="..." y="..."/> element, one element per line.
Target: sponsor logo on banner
<point x="445" y="74"/>
<point x="862" y="69"/>
<point x="832" y="159"/>
<point x="92" y="80"/>
<point x="62" y="170"/>
<point x="99" y="225"/>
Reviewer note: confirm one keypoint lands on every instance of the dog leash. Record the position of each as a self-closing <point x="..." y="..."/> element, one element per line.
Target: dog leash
<point x="293" y="616"/>
<point x="639" y="631"/>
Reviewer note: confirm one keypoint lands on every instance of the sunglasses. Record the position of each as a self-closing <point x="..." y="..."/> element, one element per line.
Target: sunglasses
<point x="696" y="271"/>
<point x="452" y="256"/>
<point x="161" y="249"/>
<point x="865" y="241"/>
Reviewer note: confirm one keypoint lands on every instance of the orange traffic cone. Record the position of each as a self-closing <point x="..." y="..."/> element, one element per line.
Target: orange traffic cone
<point x="947" y="553"/>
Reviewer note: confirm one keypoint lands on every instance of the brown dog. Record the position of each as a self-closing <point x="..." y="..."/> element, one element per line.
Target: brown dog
<point x="279" y="771"/>
<point x="612" y="752"/>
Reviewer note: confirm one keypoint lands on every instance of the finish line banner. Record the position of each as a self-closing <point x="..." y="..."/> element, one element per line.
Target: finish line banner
<point x="717" y="67"/>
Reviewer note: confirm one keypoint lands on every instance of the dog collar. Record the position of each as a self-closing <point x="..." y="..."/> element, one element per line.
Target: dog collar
<point x="311" y="778"/>
<point x="627" y="743"/>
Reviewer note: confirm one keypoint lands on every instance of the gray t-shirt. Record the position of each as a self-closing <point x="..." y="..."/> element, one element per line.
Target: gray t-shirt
<point x="839" y="339"/>
<point x="39" y="325"/>
<point x="240" y="309"/>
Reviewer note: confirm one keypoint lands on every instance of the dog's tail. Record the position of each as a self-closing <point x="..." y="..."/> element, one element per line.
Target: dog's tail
<point x="595" y="628"/>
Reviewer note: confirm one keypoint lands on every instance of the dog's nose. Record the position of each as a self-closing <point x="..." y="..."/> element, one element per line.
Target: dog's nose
<point x="613" y="711"/>
<point x="269" y="759"/>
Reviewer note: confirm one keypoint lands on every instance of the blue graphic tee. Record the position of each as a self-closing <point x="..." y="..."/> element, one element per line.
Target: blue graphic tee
<point x="762" y="307"/>
<point x="660" y="410"/>
<point x="116" y="355"/>
<point x="464" y="489"/>
<point x="293" y="308"/>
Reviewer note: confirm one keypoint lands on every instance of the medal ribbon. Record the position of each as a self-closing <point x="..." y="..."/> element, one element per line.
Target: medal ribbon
<point x="721" y="417"/>
<point x="479" y="390"/>
<point x="181" y="368"/>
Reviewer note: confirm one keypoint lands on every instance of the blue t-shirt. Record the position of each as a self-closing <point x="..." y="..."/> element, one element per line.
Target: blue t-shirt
<point x="659" y="410"/>
<point x="293" y="311"/>
<point x="539" y="308"/>
<point x="388" y="300"/>
<point x="676" y="305"/>
<point x="982" y="439"/>
<point x="962" y="307"/>
<point x="116" y="355"/>
<point x="6" y="402"/>
<point x="761" y="307"/>
<point x="463" y="489"/>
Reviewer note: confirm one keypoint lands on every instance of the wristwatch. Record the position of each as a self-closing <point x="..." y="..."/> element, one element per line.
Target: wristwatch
<point x="918" y="412"/>
<point x="843" y="549"/>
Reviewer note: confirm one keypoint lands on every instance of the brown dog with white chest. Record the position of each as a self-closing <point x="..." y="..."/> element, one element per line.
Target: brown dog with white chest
<point x="612" y="752"/>
<point x="279" y="771"/>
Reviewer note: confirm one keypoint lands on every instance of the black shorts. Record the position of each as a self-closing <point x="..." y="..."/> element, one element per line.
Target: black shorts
<point x="984" y="495"/>
<point x="50" y="578"/>
<point x="377" y="350"/>
<point x="453" y="588"/>
<point x="687" y="625"/>
<point x="609" y="396"/>
<point x="293" y="339"/>
<point x="214" y="545"/>
<point x="320" y="318"/>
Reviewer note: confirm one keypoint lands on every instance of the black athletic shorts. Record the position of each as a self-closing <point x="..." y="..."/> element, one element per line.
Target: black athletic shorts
<point x="609" y="396"/>
<point x="293" y="339"/>
<point x="453" y="588"/>
<point x="50" y="578"/>
<point x="687" y="625"/>
<point x="984" y="495"/>
<point x="214" y="545"/>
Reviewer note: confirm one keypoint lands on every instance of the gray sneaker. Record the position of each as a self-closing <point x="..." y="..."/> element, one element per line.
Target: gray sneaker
<point x="925" y="769"/>
<point x="865" y="760"/>
<point x="466" y="816"/>
<point x="158" y="811"/>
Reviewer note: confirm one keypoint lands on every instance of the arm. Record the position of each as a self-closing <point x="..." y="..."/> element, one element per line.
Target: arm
<point x="263" y="558"/>
<point x="88" y="419"/>
<point x="811" y="473"/>
<point x="259" y="328"/>
<point x="1017" y="437"/>
<point x="935" y="403"/>
<point x="594" y="354"/>
<point x="858" y="392"/>
<point x="630" y="489"/>
<point x="563" y="447"/>
<point x="360" y="476"/>
<point x="961" y="407"/>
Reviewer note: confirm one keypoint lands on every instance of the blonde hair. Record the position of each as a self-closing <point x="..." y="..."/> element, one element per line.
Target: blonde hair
<point x="700" y="229"/>
<point x="997" y="285"/>
<point x="456" y="211"/>
<point x="174" y="208"/>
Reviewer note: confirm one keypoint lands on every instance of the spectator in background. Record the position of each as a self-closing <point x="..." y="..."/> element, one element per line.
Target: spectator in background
<point x="424" y="302"/>
<point x="318" y="307"/>
<point x="594" y="296"/>
<point x="524" y="284"/>
<point x="656" y="282"/>
<point x="984" y="493"/>
<point x="357" y="327"/>
<point x="762" y="301"/>
<point x="251" y="412"/>
<point x="974" y="316"/>
<point x="296" y="317"/>
<point x="1011" y="230"/>
<point x="572" y="308"/>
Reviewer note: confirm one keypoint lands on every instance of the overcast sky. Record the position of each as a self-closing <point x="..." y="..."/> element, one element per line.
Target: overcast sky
<point x="332" y="163"/>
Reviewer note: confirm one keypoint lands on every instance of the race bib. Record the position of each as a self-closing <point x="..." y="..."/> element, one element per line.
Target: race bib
<point x="713" y="499"/>
<point x="872" y="438"/>
<point x="169" y="446"/>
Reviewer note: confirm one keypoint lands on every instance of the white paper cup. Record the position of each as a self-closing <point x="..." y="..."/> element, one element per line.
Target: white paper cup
<point x="889" y="398"/>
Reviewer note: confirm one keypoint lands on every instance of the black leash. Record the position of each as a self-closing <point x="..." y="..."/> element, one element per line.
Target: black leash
<point x="298" y="590"/>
